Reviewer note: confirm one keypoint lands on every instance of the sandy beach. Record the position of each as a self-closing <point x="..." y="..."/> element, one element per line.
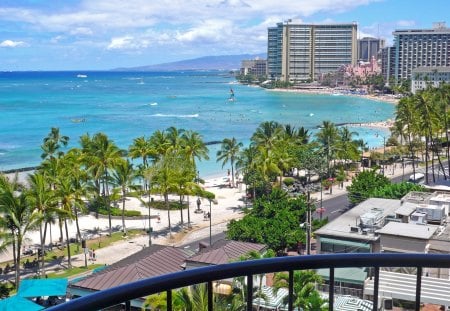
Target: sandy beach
<point x="228" y="204"/>
<point x="337" y="92"/>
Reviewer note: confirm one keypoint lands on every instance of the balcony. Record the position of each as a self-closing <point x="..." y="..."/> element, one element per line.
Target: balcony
<point x="416" y="283"/>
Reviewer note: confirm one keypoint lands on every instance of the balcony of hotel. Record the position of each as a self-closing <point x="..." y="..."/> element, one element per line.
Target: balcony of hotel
<point x="388" y="277"/>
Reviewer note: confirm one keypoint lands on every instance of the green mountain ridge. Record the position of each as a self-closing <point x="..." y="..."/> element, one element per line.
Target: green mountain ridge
<point x="220" y="62"/>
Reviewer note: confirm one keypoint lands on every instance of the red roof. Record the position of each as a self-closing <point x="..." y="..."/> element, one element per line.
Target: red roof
<point x="150" y="262"/>
<point x="224" y="251"/>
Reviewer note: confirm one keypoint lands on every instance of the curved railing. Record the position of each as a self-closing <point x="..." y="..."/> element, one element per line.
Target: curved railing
<point x="127" y="292"/>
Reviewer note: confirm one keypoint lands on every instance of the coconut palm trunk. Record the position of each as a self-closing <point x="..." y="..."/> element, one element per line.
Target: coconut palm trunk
<point x="69" y="258"/>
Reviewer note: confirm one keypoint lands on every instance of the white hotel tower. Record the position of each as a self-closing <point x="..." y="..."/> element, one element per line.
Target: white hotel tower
<point x="299" y="52"/>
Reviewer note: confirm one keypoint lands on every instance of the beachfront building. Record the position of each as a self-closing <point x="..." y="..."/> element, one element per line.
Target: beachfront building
<point x="256" y="67"/>
<point x="388" y="63"/>
<point x="422" y="77"/>
<point x="421" y="48"/>
<point x="298" y="52"/>
<point x="369" y="48"/>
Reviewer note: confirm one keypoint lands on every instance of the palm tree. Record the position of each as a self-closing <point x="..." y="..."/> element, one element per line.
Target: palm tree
<point x="41" y="196"/>
<point x="123" y="177"/>
<point x="105" y="156"/>
<point x="52" y="144"/>
<point x="267" y="133"/>
<point x="347" y="148"/>
<point x="327" y="138"/>
<point x="164" y="179"/>
<point x="18" y="217"/>
<point x="193" y="145"/>
<point x="304" y="287"/>
<point x="255" y="255"/>
<point x="193" y="298"/>
<point x="141" y="148"/>
<point x="228" y="153"/>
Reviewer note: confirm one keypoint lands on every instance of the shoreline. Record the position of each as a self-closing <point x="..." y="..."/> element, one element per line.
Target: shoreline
<point x="337" y="92"/>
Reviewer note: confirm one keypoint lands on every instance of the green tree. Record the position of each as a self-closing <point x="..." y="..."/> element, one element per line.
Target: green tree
<point x="328" y="137"/>
<point x="52" y="144"/>
<point x="123" y="177"/>
<point x="18" y="217"/>
<point x="364" y="185"/>
<point x="229" y="151"/>
<point x="273" y="221"/>
<point x="397" y="190"/>
<point x="41" y="196"/>
<point x="304" y="289"/>
<point x="255" y="255"/>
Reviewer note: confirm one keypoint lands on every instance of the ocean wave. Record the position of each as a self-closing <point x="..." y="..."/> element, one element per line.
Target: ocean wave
<point x="196" y="115"/>
<point x="154" y="104"/>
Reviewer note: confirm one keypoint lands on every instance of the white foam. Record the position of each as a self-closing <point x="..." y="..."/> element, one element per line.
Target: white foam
<point x="154" y="104"/>
<point x="176" y="115"/>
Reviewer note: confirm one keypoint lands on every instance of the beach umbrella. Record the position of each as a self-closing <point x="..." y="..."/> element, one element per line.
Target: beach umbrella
<point x="350" y="303"/>
<point x="18" y="303"/>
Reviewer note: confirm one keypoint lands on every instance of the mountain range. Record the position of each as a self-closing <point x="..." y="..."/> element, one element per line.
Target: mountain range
<point x="221" y="62"/>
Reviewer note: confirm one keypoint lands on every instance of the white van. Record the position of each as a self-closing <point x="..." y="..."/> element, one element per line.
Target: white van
<point x="417" y="178"/>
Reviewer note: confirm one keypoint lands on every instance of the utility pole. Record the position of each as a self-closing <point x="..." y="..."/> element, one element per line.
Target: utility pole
<point x="308" y="225"/>
<point x="150" y="229"/>
<point x="210" y="224"/>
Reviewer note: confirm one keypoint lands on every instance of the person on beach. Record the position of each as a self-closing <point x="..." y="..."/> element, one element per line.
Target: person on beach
<point x="199" y="202"/>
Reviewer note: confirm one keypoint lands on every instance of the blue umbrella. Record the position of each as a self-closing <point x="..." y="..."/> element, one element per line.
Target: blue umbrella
<point x="18" y="303"/>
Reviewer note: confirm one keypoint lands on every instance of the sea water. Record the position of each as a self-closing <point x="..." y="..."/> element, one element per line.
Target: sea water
<point x="126" y="105"/>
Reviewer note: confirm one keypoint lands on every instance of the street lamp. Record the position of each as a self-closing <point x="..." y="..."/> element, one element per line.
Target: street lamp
<point x="210" y="227"/>
<point x="384" y="151"/>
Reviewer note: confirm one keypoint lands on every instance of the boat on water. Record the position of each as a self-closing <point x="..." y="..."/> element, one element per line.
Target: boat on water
<point x="78" y="120"/>
<point x="81" y="76"/>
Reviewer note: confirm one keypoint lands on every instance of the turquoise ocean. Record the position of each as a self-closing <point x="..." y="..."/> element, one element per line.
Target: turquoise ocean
<point x="126" y="105"/>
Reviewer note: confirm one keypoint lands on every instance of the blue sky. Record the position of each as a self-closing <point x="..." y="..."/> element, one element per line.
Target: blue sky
<point x="104" y="34"/>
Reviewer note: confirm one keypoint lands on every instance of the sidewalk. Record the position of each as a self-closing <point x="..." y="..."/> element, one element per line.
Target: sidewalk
<point x="230" y="205"/>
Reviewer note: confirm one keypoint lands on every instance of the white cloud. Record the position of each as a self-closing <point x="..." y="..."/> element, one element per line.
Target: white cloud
<point x="207" y="32"/>
<point x="12" y="44"/>
<point x="81" y="31"/>
<point x="127" y="43"/>
<point x="405" y="23"/>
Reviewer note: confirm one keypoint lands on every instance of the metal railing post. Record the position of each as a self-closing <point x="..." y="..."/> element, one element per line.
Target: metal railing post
<point x="169" y="300"/>
<point x="249" y="292"/>
<point x="291" y="290"/>
<point x="376" y="284"/>
<point x="210" y="296"/>
<point x="418" y="287"/>
<point x="331" y="290"/>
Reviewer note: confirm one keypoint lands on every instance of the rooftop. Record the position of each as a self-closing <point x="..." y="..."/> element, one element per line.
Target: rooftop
<point x="409" y="230"/>
<point x="340" y="227"/>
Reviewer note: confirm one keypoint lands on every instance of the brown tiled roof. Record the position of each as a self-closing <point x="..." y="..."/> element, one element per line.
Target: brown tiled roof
<point x="224" y="251"/>
<point x="152" y="261"/>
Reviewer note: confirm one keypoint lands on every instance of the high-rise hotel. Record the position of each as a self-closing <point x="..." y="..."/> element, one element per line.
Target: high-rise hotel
<point x="299" y="52"/>
<point x="420" y="48"/>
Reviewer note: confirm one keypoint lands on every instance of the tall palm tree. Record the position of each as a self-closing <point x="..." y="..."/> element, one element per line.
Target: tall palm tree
<point x="141" y="148"/>
<point x="255" y="255"/>
<point x="347" y="148"/>
<point x="406" y="118"/>
<point x="164" y="179"/>
<point x="18" y="217"/>
<point x="41" y="196"/>
<point x="52" y="144"/>
<point x="105" y="156"/>
<point x="304" y="286"/>
<point x="123" y="177"/>
<point x="229" y="151"/>
<point x="267" y="133"/>
<point x="194" y="147"/>
<point x="327" y="138"/>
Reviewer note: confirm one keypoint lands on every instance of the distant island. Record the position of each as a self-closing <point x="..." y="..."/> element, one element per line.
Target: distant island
<point x="220" y="62"/>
